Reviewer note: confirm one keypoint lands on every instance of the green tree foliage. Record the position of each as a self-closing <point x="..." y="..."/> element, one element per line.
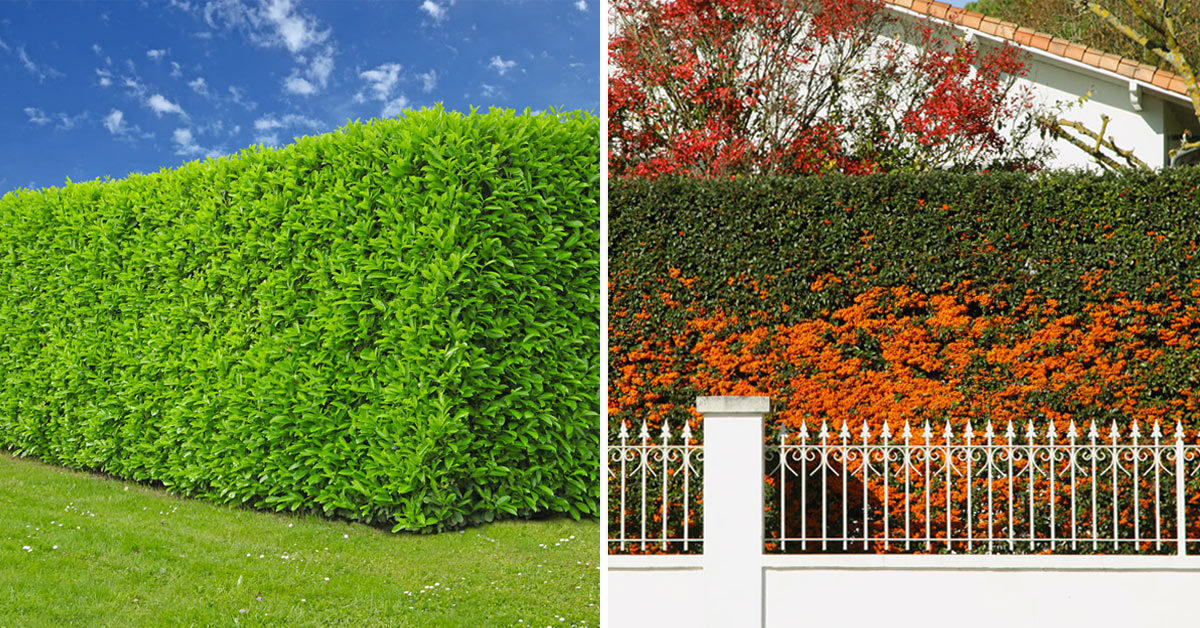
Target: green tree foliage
<point x="396" y="322"/>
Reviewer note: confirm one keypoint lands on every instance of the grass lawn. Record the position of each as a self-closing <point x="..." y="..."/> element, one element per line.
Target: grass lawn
<point x="80" y="550"/>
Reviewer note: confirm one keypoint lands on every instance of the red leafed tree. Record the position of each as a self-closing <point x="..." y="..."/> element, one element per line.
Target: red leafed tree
<point x="726" y="87"/>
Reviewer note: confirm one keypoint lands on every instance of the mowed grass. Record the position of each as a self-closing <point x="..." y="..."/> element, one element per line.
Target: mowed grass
<point x="81" y="550"/>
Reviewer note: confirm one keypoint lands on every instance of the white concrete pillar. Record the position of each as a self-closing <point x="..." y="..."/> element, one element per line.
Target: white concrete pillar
<point x="733" y="509"/>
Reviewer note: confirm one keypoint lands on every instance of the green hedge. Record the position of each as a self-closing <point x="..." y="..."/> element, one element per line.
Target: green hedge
<point x="902" y="298"/>
<point x="925" y="231"/>
<point x="396" y="322"/>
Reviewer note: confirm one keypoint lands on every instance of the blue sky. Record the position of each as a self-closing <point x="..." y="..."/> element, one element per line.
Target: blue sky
<point x="102" y="89"/>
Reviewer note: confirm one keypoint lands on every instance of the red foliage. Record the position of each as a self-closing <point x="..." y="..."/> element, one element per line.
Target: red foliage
<point x="724" y="87"/>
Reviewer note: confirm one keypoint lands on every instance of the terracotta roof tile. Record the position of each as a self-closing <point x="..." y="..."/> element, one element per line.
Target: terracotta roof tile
<point x="938" y="10"/>
<point x="1060" y="47"/>
<point x="1109" y="61"/>
<point x="1162" y="78"/>
<point x="1144" y="73"/>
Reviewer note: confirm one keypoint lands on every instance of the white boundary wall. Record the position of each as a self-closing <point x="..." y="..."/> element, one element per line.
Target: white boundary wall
<point x="733" y="584"/>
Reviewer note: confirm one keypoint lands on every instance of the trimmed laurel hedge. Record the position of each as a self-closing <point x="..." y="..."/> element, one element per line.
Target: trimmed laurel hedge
<point x="396" y="322"/>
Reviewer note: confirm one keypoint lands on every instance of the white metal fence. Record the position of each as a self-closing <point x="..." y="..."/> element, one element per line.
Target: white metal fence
<point x="1034" y="489"/>
<point x="648" y="475"/>
<point x="760" y="525"/>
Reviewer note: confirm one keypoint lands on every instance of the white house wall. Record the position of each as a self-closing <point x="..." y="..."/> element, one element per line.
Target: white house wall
<point x="1058" y="81"/>
<point x="1055" y="84"/>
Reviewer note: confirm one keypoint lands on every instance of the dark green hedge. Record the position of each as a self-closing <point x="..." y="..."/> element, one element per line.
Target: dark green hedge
<point x="1080" y="295"/>
<point x="397" y="322"/>
<point x="920" y="231"/>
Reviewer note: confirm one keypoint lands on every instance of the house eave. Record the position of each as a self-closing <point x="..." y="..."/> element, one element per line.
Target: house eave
<point x="1044" y="55"/>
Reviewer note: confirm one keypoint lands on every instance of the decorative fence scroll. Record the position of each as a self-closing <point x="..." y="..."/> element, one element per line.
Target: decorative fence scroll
<point x="1031" y="490"/>
<point x="654" y="492"/>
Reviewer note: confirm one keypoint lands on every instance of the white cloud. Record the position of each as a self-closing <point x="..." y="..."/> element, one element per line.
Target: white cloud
<point x="65" y="122"/>
<point x="134" y="86"/>
<point x="3" y="46"/>
<point x="239" y="97"/>
<point x="312" y="79"/>
<point x="278" y="24"/>
<point x="271" y="24"/>
<point x="42" y="73"/>
<point x="382" y="79"/>
<point x="155" y="55"/>
<point x="394" y="107"/>
<point x="489" y="90"/>
<point x="161" y="105"/>
<point x="291" y="120"/>
<point x="381" y="83"/>
<point x="200" y="86"/>
<point x="581" y="5"/>
<point x="185" y="145"/>
<point x="321" y="67"/>
<point x="501" y="66"/>
<point x="105" y="79"/>
<point x="296" y="31"/>
<point x="428" y="81"/>
<point x="37" y="116"/>
<point x="296" y="85"/>
<point x="115" y="122"/>
<point x="176" y="71"/>
<point x="267" y="126"/>
<point x="96" y="49"/>
<point x="435" y="10"/>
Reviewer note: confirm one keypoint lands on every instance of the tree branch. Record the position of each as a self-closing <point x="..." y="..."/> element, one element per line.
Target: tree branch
<point x="1056" y="128"/>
